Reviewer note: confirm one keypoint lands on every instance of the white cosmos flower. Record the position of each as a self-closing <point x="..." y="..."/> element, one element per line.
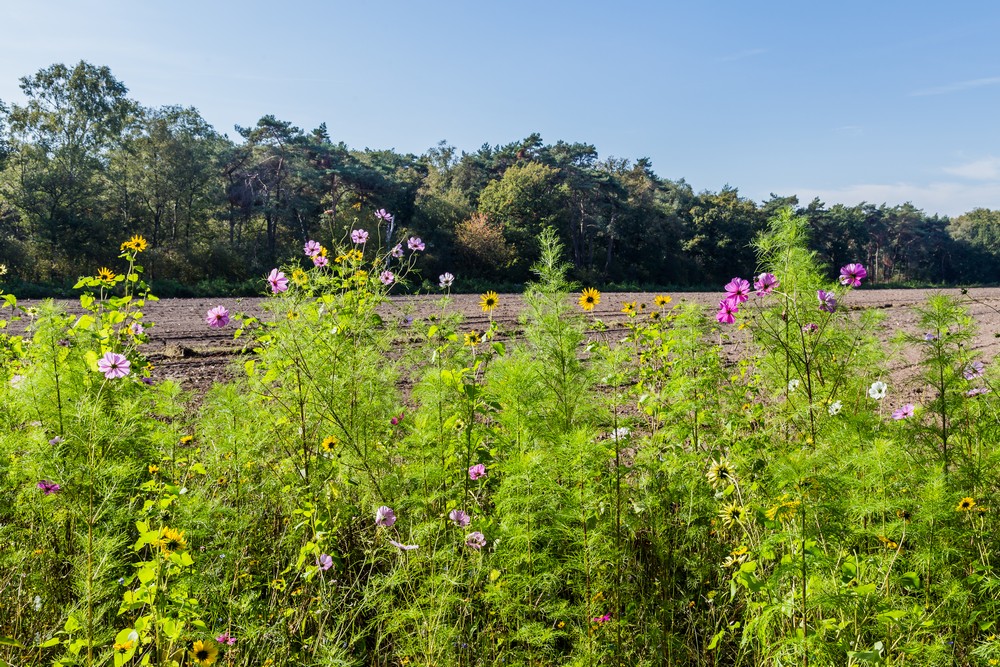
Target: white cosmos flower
<point x="834" y="408"/>
<point x="877" y="390"/>
<point x="793" y="385"/>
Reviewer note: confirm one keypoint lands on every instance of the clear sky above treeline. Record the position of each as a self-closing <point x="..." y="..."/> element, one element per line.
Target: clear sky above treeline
<point x="848" y="101"/>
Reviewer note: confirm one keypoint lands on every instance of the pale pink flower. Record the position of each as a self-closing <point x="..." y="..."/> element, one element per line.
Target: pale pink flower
<point x="383" y="215"/>
<point x="397" y="251"/>
<point x="359" y="236"/>
<point x="476" y="540"/>
<point x="385" y="517"/>
<point x="312" y="248"/>
<point x="477" y="471"/>
<point x="320" y="261"/>
<point x="415" y="244"/>
<point x="278" y="281"/>
<point x="114" y="365"/>
<point x="459" y="518"/>
<point x="387" y="277"/>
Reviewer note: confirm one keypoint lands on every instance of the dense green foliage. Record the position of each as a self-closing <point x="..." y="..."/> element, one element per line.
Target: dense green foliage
<point x="84" y="166"/>
<point x="376" y="490"/>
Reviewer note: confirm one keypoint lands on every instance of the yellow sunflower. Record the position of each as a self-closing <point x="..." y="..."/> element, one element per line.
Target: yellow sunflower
<point x="629" y="308"/>
<point x="136" y="243"/>
<point x="965" y="504"/>
<point x="721" y="474"/>
<point x="204" y="653"/>
<point x="172" y="540"/>
<point x="732" y="514"/>
<point x="662" y="300"/>
<point x="473" y="338"/>
<point x="489" y="301"/>
<point x="299" y="277"/>
<point x="589" y="298"/>
<point x="105" y="274"/>
<point x="329" y="443"/>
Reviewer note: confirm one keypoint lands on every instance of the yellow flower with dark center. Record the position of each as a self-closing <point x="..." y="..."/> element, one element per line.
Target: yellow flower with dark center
<point x="172" y="540"/>
<point x="905" y="515"/>
<point x="784" y="511"/>
<point x="153" y="469"/>
<point x="136" y="243"/>
<point x="473" y="338"/>
<point x="589" y="298"/>
<point x="662" y="300"/>
<point x="721" y="473"/>
<point x="489" y="301"/>
<point x="329" y="443"/>
<point x="642" y="306"/>
<point x="292" y="315"/>
<point x="299" y="277"/>
<point x="965" y="504"/>
<point x="124" y="647"/>
<point x="204" y="652"/>
<point x="105" y="274"/>
<point x="354" y="255"/>
<point x="736" y="557"/>
<point x="655" y="315"/>
<point x="732" y="514"/>
<point x="629" y="308"/>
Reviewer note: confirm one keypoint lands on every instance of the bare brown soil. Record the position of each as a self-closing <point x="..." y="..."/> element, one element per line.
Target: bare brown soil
<point x="183" y="348"/>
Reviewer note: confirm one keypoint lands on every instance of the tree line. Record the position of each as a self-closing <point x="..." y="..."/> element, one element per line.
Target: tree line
<point x="83" y="167"/>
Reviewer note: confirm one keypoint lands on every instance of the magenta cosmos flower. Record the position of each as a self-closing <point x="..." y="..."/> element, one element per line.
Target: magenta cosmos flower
<point x="903" y="412"/>
<point x="765" y="283"/>
<point x="727" y="311"/>
<point x="48" y="487"/>
<point x="383" y="215"/>
<point x="278" y="281"/>
<point x="851" y="275"/>
<point x="226" y="638"/>
<point x="459" y="518"/>
<point x="359" y="236"/>
<point x="477" y="471"/>
<point x="415" y="244"/>
<point x="312" y="248"/>
<point x="385" y="517"/>
<point x="387" y="277"/>
<point x="827" y="301"/>
<point x="217" y="317"/>
<point x="738" y="290"/>
<point x="114" y="365"/>
<point x="476" y="540"/>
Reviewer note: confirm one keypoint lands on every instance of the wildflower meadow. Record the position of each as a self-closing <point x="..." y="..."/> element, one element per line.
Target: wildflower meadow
<point x="376" y="489"/>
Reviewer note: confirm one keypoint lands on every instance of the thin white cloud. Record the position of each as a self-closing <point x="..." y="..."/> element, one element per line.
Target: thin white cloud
<point x="984" y="169"/>
<point x="945" y="198"/>
<point x="957" y="87"/>
<point x="749" y="53"/>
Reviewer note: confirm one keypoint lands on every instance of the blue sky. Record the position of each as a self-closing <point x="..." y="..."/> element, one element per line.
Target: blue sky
<point x="848" y="101"/>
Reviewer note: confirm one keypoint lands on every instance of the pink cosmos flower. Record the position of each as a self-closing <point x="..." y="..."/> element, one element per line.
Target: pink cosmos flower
<point x="812" y="327"/>
<point x="459" y="518"/>
<point x="852" y="274"/>
<point x="217" y="317"/>
<point x="827" y="301"/>
<point x="738" y="290"/>
<point x="48" y="487"/>
<point x="476" y="540"/>
<point x="312" y="248"/>
<point x="385" y="517"/>
<point x="383" y="215"/>
<point x="477" y="471"/>
<point x="325" y="562"/>
<point x="404" y="547"/>
<point x="765" y="283"/>
<point x="387" y="277"/>
<point x="320" y="261"/>
<point x="445" y="280"/>
<point x="359" y="236"/>
<point x="136" y="328"/>
<point x="278" y="281"/>
<point x="602" y="619"/>
<point x="977" y="391"/>
<point x="226" y="639"/>
<point x="415" y="244"/>
<point x="397" y="251"/>
<point x="114" y="365"/>
<point x="903" y="412"/>
<point x="727" y="311"/>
